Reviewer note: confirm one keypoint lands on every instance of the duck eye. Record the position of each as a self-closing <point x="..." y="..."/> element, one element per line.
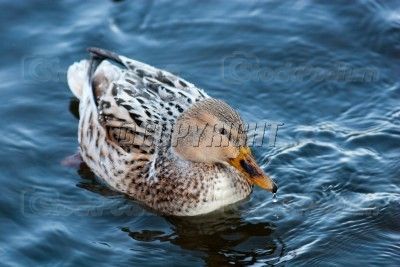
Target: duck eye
<point x="223" y="131"/>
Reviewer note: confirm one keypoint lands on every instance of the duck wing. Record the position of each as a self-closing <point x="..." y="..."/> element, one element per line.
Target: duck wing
<point x="136" y="102"/>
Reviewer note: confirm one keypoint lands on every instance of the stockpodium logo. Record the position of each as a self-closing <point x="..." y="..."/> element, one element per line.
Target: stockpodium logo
<point x="242" y="67"/>
<point x="50" y="203"/>
<point x="40" y="68"/>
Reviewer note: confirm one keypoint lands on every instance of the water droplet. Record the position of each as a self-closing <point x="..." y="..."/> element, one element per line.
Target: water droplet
<point x="274" y="198"/>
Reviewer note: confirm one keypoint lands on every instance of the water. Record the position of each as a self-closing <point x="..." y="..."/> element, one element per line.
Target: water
<point x="336" y="158"/>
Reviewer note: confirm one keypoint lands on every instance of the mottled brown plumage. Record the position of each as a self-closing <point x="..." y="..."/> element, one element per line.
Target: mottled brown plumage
<point x="137" y="130"/>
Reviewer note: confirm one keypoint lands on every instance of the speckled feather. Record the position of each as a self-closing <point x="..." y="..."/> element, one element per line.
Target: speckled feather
<point x="127" y="113"/>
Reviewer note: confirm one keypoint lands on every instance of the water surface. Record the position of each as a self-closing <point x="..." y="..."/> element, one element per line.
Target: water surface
<point x="328" y="70"/>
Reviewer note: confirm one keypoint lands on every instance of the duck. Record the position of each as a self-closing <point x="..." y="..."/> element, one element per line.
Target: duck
<point x="159" y="139"/>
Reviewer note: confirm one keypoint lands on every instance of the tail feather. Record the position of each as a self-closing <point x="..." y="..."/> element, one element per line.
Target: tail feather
<point x="96" y="72"/>
<point x="77" y="76"/>
<point x="100" y="72"/>
<point x="102" y="54"/>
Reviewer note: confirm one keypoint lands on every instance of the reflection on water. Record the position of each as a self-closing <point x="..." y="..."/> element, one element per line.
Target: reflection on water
<point x="222" y="237"/>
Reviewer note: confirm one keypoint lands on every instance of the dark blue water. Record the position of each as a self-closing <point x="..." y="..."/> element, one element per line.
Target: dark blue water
<point x="328" y="70"/>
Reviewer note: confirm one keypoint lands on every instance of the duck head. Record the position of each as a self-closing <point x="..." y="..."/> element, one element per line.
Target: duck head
<point x="212" y="132"/>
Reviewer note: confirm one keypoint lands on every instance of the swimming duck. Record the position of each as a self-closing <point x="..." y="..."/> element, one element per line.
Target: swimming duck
<point x="154" y="136"/>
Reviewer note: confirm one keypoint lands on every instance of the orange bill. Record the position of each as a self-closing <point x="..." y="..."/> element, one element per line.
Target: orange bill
<point x="247" y="165"/>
